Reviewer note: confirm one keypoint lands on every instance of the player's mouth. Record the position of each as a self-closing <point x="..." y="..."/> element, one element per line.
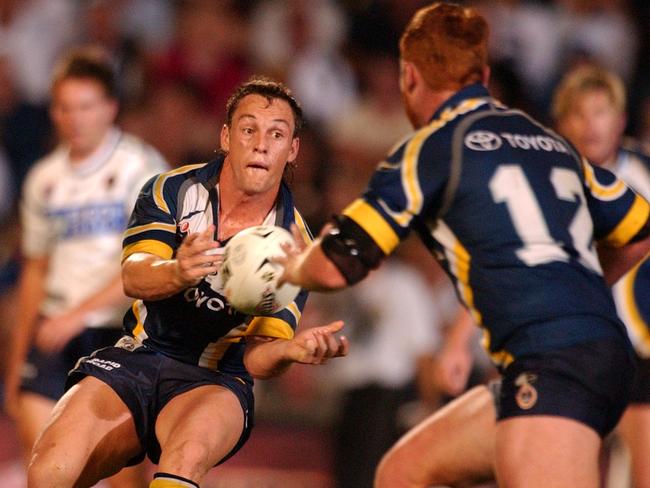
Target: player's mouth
<point x="257" y="166"/>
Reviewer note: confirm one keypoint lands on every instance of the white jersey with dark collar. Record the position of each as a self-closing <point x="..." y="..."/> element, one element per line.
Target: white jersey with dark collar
<point x="75" y="215"/>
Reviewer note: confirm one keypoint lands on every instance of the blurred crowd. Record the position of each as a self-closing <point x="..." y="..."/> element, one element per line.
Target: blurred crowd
<point x="178" y="60"/>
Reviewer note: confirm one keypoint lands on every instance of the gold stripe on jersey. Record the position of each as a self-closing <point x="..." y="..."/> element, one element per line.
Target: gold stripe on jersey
<point x="140" y="313"/>
<point x="295" y="311"/>
<point x="410" y="160"/>
<point x="159" y="184"/>
<point x="138" y="229"/>
<point x="269" y="327"/>
<point x="627" y="228"/>
<point x="634" y="318"/>
<point x="149" y="246"/>
<point x="213" y="353"/>
<point x="302" y="226"/>
<point x="373" y="223"/>
<point x="459" y="261"/>
<point x="604" y="192"/>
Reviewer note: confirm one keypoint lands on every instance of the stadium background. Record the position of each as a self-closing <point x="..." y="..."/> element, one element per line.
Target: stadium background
<point x="179" y="59"/>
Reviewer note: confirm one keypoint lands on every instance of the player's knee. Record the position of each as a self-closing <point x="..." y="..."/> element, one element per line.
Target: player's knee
<point x="188" y="458"/>
<point x="46" y="470"/>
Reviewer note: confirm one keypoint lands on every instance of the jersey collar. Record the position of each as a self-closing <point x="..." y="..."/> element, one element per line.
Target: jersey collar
<point x="476" y="90"/>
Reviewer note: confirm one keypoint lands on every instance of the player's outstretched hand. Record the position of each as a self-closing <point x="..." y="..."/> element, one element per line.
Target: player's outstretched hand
<point x="318" y="344"/>
<point x="294" y="255"/>
<point x="197" y="258"/>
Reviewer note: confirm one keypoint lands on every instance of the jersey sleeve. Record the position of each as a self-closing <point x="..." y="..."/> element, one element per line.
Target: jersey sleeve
<point x="37" y="233"/>
<point x="152" y="227"/>
<point x="410" y="182"/>
<point x="617" y="211"/>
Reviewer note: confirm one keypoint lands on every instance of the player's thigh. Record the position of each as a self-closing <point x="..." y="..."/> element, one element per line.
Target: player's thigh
<point x="546" y="452"/>
<point x="634" y="428"/>
<point x="89" y="422"/>
<point x="454" y="445"/>
<point x="182" y="423"/>
<point x="34" y="412"/>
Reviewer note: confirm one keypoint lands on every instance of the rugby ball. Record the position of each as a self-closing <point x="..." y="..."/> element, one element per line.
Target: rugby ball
<point x="249" y="277"/>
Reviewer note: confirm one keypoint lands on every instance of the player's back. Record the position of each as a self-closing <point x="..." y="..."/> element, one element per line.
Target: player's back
<point x="518" y="234"/>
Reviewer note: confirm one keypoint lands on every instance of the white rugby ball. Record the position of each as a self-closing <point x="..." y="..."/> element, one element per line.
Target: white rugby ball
<point x="249" y="277"/>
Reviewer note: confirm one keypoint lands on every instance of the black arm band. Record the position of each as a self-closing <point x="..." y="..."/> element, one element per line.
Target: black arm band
<point x="643" y="232"/>
<point x="351" y="249"/>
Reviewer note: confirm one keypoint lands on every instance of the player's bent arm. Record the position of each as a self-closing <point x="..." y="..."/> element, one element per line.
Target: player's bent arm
<point x="341" y="256"/>
<point x="151" y="277"/>
<point x="267" y="357"/>
<point x="30" y="296"/>
<point x="314" y="270"/>
<point x="616" y="261"/>
<point x="617" y="258"/>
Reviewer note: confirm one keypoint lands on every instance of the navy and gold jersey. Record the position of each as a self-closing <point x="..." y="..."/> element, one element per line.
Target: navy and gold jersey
<point x="632" y="291"/>
<point x="512" y="212"/>
<point x="197" y="325"/>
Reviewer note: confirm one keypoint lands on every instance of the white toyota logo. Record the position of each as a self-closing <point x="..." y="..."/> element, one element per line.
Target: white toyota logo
<point x="482" y="140"/>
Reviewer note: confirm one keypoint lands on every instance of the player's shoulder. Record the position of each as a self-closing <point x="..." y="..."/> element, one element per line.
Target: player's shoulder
<point x="52" y="165"/>
<point x="136" y="150"/>
<point x="636" y="150"/>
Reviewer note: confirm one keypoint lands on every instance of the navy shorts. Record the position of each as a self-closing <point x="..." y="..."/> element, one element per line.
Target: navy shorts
<point x="146" y="381"/>
<point x="590" y="383"/>
<point x="45" y="374"/>
<point x="641" y="385"/>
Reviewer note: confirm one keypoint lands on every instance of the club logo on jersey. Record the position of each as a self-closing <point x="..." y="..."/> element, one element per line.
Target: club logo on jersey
<point x="526" y="396"/>
<point x="183" y="227"/>
<point x="483" y="140"/>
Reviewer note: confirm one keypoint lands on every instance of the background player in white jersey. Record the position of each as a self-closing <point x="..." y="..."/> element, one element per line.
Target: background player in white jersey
<point x="514" y="214"/>
<point x="75" y="206"/>
<point x="589" y="108"/>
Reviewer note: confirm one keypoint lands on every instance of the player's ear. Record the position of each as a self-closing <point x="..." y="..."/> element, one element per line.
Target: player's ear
<point x="225" y="138"/>
<point x="409" y="75"/>
<point x="293" y="152"/>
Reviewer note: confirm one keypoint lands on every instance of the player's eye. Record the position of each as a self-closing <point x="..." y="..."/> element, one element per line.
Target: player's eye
<point x="247" y="130"/>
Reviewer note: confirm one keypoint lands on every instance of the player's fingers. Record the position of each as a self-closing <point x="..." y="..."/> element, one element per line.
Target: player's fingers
<point x="326" y="229"/>
<point x="333" y="327"/>
<point x="298" y="237"/>
<point x="321" y="351"/>
<point x="344" y="347"/>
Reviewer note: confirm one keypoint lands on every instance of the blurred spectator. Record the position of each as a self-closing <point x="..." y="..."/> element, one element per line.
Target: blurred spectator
<point x="390" y="329"/>
<point x="25" y="129"/>
<point x="363" y="131"/>
<point x="33" y="33"/>
<point x="300" y="42"/>
<point x="172" y="118"/>
<point x="208" y="51"/>
<point x="376" y="25"/>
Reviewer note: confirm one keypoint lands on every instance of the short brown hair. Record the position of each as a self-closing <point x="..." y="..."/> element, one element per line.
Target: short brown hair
<point x="87" y="62"/>
<point x="448" y="44"/>
<point x="265" y="87"/>
<point x="584" y="79"/>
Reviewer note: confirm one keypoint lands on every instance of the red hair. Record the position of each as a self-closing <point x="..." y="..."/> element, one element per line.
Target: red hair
<point x="448" y="44"/>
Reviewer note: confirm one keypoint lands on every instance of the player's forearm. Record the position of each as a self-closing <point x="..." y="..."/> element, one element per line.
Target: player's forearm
<point x="149" y="277"/>
<point x="317" y="272"/>
<point x="265" y="360"/>
<point x="30" y="296"/>
<point x="618" y="261"/>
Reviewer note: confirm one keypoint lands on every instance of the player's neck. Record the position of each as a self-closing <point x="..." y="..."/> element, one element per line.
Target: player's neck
<point x="238" y="210"/>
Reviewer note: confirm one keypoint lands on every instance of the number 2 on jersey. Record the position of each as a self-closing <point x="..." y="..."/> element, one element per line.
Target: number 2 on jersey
<point x="510" y="185"/>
